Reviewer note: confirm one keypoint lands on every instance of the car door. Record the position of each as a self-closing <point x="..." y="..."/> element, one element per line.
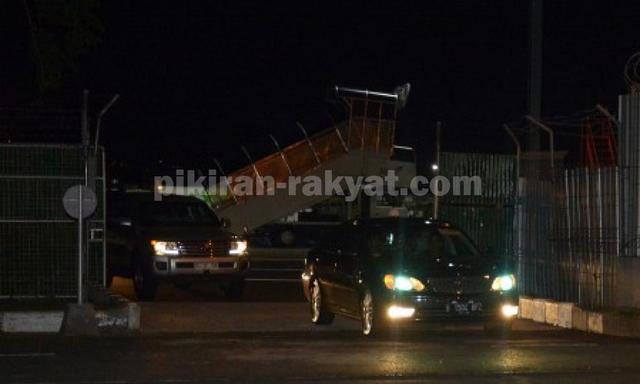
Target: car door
<point x="325" y="261"/>
<point x="120" y="237"/>
<point x="346" y="270"/>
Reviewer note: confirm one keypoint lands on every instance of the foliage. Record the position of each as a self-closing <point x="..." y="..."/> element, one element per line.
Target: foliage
<point x="62" y="32"/>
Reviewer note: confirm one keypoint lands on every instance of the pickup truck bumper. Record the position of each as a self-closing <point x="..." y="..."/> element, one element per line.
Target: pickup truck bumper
<point x="190" y="268"/>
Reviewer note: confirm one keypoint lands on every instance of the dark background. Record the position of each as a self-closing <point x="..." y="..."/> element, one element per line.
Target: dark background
<point x="199" y="79"/>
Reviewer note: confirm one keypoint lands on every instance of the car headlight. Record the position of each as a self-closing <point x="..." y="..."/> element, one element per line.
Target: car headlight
<point x="165" y="248"/>
<point x="238" y="247"/>
<point x="403" y="283"/>
<point x="503" y="283"/>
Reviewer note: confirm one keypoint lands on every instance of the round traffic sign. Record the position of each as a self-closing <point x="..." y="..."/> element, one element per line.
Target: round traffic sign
<point x="71" y="201"/>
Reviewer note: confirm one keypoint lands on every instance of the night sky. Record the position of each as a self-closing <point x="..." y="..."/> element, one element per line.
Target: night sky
<point x="199" y="79"/>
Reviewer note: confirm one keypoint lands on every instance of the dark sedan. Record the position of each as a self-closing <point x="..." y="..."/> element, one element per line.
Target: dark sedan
<point x="390" y="271"/>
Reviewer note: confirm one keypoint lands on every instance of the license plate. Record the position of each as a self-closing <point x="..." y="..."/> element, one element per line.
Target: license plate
<point x="463" y="308"/>
<point x="475" y="306"/>
<point x="206" y="266"/>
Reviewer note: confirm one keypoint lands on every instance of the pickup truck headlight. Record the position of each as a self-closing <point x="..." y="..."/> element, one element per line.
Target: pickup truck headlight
<point x="503" y="283"/>
<point x="238" y="247"/>
<point x="165" y="248"/>
<point x="403" y="283"/>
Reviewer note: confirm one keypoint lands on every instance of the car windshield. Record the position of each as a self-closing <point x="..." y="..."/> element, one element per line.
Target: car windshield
<point x="179" y="213"/>
<point x="419" y="244"/>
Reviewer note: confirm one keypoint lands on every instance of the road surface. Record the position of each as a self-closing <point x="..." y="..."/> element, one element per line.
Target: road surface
<point x="200" y="337"/>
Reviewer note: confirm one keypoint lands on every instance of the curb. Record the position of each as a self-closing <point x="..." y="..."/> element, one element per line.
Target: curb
<point x="570" y="316"/>
<point x="34" y="322"/>
<point x="121" y="319"/>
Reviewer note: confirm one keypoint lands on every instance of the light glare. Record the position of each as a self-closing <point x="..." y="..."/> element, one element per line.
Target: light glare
<point x="398" y="312"/>
<point x="509" y="310"/>
<point x="163" y="248"/>
<point x="238" y="247"/>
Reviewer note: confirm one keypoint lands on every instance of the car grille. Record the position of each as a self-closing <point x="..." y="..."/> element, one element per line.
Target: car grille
<point x="204" y="248"/>
<point x="459" y="285"/>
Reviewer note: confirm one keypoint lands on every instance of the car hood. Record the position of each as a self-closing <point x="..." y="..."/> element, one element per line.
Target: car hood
<point x="427" y="270"/>
<point x="186" y="233"/>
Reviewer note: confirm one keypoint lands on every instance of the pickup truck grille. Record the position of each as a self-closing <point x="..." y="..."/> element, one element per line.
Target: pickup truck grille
<point x="204" y="248"/>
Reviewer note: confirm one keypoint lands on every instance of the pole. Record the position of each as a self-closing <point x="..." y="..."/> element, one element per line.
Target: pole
<point x="226" y="181"/>
<point x="282" y="156"/>
<point x="436" y="198"/>
<point x="518" y="149"/>
<point x="80" y="247"/>
<point x="551" y="140"/>
<point x="535" y="69"/>
<point x="608" y="114"/>
<point x="85" y="155"/>
<point x="259" y="186"/>
<point x="85" y="119"/>
<point x="309" y="142"/>
<point x="98" y="123"/>
<point x="104" y="218"/>
<point x="84" y="134"/>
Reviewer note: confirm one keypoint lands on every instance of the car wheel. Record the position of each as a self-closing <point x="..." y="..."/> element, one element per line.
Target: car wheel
<point x="367" y="312"/>
<point x="319" y="315"/>
<point x="235" y="289"/>
<point x="144" y="282"/>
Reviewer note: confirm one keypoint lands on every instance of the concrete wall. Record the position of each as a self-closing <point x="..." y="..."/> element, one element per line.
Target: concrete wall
<point x="627" y="289"/>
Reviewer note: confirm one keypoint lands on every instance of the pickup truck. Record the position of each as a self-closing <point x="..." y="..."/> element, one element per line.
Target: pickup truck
<point x="177" y="240"/>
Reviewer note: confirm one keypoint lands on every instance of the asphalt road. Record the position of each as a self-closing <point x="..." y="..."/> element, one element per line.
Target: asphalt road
<point x="199" y="337"/>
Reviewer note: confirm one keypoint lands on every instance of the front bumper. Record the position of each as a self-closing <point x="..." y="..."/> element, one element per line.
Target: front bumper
<point x="490" y="306"/>
<point x="199" y="267"/>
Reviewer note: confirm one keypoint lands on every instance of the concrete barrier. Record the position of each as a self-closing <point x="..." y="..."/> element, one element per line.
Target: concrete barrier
<point x="36" y="321"/>
<point x="570" y="316"/>
<point x="595" y="322"/>
<point x="539" y="306"/>
<point x="119" y="319"/>
<point x="579" y="319"/>
<point x="565" y="315"/>
<point x="119" y="316"/>
<point x="133" y="321"/>
<point x="526" y="308"/>
<point x="551" y="313"/>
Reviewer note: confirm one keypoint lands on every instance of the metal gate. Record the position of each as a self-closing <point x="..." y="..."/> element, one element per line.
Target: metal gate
<point x="488" y="218"/>
<point x="570" y="240"/>
<point x="38" y="241"/>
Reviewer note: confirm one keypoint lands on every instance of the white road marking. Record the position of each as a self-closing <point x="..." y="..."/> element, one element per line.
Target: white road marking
<point x="541" y="344"/>
<point x="46" y="354"/>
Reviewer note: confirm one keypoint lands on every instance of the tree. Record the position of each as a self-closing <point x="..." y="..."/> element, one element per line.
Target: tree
<point x="62" y="31"/>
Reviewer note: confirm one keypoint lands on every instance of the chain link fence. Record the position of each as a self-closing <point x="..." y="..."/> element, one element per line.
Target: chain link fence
<point x="569" y="235"/>
<point x="561" y="233"/>
<point x="487" y="218"/>
<point x="38" y="241"/>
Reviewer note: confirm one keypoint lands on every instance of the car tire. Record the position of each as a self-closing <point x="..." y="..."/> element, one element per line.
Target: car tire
<point x="235" y="289"/>
<point x="144" y="282"/>
<point x="319" y="314"/>
<point x="368" y="314"/>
